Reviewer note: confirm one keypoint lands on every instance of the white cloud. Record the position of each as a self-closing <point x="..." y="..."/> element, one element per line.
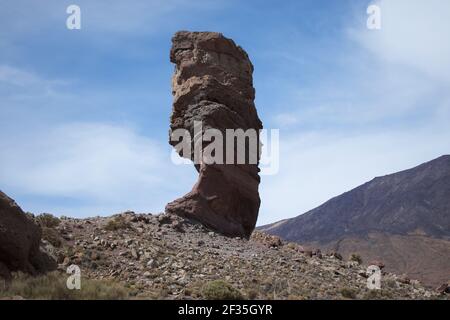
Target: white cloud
<point x="315" y="167"/>
<point x="286" y="119"/>
<point x="100" y="165"/>
<point x="413" y="34"/>
<point x="391" y="73"/>
<point x="17" y="77"/>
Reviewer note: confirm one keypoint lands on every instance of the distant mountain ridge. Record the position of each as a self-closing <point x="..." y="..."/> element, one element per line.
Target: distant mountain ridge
<point x="411" y="203"/>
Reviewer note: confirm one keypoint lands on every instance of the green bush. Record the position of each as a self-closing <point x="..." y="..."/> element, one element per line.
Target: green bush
<point x="356" y="257"/>
<point x="220" y="290"/>
<point x="117" y="223"/>
<point x="376" y="294"/>
<point x="348" y="293"/>
<point x="47" y="220"/>
<point x="52" y="286"/>
<point x="52" y="236"/>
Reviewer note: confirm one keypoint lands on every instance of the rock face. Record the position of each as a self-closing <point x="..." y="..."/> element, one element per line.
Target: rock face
<point x="213" y="84"/>
<point x="19" y="241"/>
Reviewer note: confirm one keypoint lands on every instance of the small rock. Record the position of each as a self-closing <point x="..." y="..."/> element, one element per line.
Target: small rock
<point x="152" y="263"/>
<point x="164" y="219"/>
<point x="134" y="254"/>
<point x="317" y="253"/>
<point x="335" y="255"/>
<point x="200" y="243"/>
<point x="177" y="226"/>
<point x="123" y="254"/>
<point x="404" y="279"/>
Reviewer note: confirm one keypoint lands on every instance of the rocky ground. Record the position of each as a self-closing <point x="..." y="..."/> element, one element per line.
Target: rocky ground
<point x="167" y="257"/>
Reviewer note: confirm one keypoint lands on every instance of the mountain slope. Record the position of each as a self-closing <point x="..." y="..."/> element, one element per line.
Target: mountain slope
<point x="167" y="257"/>
<point x="409" y="205"/>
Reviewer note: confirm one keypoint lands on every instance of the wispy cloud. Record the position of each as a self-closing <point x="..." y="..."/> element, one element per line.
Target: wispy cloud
<point x="18" y="83"/>
<point x="412" y="35"/>
<point x="92" y="163"/>
<point x="317" y="166"/>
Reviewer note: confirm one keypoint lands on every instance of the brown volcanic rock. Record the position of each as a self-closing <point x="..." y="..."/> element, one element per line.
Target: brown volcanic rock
<point x="19" y="241"/>
<point x="213" y="84"/>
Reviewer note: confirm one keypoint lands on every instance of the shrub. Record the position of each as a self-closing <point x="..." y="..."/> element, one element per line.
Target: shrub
<point x="252" y="294"/>
<point x="348" y="293"/>
<point x="377" y="295"/>
<point x="117" y="223"/>
<point x="47" y="220"/>
<point x="52" y="286"/>
<point x="356" y="257"/>
<point x="52" y="236"/>
<point x="391" y="283"/>
<point x="220" y="290"/>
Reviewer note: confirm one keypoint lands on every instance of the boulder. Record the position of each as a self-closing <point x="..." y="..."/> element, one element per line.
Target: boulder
<point x="20" y="239"/>
<point x="213" y="85"/>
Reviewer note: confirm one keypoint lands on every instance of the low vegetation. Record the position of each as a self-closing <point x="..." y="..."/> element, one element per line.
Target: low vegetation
<point x="348" y="293"/>
<point x="52" y="236"/>
<point x="356" y="257"/>
<point x="220" y="290"/>
<point x="48" y="224"/>
<point x="53" y="286"/>
<point x="117" y="223"/>
<point x="48" y="220"/>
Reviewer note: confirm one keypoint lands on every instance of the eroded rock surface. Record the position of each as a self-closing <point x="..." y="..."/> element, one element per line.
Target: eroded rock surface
<point x="213" y="84"/>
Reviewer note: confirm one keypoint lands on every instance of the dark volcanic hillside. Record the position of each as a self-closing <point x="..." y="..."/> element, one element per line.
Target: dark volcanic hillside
<point x="412" y="205"/>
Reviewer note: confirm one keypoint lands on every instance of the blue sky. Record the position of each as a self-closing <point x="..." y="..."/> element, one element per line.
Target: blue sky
<point x="84" y="113"/>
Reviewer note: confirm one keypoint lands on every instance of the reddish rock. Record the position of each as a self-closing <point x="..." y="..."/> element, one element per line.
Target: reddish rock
<point x="213" y="84"/>
<point x="377" y="263"/>
<point x="20" y="239"/>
